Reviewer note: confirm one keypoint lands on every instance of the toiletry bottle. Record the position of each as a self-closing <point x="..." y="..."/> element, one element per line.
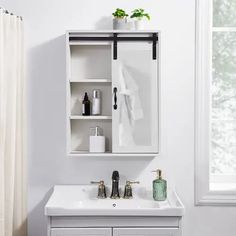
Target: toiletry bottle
<point x="86" y="106"/>
<point x="96" y="140"/>
<point x="159" y="187"/>
<point x="96" y="107"/>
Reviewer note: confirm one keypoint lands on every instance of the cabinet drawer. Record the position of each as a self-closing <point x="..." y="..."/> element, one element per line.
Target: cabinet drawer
<point x="146" y="232"/>
<point x="81" y="232"/>
<point x="124" y="221"/>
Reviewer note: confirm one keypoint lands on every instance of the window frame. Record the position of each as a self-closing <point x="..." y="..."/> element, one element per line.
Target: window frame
<point x="203" y="65"/>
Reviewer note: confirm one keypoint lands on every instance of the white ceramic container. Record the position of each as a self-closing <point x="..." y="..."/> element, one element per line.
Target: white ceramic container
<point x="120" y="24"/>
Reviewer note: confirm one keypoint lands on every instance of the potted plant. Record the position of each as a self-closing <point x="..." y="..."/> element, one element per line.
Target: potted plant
<point x="139" y="14"/>
<point x="120" y="19"/>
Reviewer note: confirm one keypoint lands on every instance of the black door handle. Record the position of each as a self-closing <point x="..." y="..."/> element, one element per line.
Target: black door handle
<point x="115" y="98"/>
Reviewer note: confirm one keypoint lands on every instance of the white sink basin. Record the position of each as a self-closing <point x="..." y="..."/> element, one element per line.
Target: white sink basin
<point x="81" y="200"/>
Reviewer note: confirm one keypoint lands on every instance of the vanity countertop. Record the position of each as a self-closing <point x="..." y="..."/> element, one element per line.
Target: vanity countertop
<point x="81" y="200"/>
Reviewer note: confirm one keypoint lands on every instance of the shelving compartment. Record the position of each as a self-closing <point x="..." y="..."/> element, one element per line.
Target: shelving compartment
<point x="89" y="68"/>
<point x="80" y="132"/>
<point x="77" y="94"/>
<point x="90" y="62"/>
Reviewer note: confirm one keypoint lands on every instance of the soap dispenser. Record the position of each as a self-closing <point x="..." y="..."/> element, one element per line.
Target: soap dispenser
<point x="96" y="140"/>
<point x="159" y="187"/>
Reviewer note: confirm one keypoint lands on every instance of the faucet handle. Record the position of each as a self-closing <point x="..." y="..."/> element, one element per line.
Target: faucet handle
<point x="128" y="189"/>
<point x="101" y="188"/>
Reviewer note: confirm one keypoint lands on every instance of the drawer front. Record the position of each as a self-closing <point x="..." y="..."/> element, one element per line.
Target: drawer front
<point x="81" y="232"/>
<point x="146" y="232"/>
<point x="124" y="221"/>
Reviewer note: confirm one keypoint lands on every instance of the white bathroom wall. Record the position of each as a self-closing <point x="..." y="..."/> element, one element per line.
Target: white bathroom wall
<point x="45" y="25"/>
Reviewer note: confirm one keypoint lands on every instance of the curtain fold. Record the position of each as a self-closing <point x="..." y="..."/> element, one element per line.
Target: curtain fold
<point x="12" y="128"/>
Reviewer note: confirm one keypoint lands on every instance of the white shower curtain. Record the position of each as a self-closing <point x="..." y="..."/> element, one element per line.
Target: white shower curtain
<point x="12" y="140"/>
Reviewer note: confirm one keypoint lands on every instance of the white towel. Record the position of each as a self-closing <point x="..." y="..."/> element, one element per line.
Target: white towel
<point x="130" y="106"/>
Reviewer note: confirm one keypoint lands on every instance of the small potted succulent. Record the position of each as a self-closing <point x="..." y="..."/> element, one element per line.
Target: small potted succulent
<point x="138" y="15"/>
<point x="120" y="19"/>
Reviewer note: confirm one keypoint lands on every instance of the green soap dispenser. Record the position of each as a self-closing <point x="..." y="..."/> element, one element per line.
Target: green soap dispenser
<point x="159" y="187"/>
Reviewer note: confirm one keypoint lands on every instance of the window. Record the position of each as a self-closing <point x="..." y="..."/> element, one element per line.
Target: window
<point x="215" y="127"/>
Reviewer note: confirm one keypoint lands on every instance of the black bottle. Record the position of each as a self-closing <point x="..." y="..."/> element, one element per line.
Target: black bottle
<point x="86" y="106"/>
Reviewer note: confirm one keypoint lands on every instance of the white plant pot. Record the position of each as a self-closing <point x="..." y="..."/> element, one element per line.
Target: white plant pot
<point x="120" y="24"/>
<point x="138" y="24"/>
<point x="130" y="24"/>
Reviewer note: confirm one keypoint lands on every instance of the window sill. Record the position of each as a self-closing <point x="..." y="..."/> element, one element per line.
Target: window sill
<point x="223" y="187"/>
<point x="216" y="198"/>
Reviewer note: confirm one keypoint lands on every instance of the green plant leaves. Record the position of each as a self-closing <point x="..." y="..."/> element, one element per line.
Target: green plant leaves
<point x="136" y="13"/>
<point x="140" y="13"/>
<point x="120" y="13"/>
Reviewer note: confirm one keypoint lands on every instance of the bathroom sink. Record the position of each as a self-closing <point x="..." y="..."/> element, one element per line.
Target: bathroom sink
<point x="81" y="200"/>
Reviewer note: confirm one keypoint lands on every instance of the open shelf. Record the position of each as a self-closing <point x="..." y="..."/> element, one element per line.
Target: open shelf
<point x="90" y="61"/>
<point x="77" y="94"/>
<point x="80" y="132"/>
<point x="90" y="81"/>
<point x="90" y="117"/>
<point x="109" y="154"/>
<point x="87" y="153"/>
<point x="88" y="43"/>
<point x="89" y="68"/>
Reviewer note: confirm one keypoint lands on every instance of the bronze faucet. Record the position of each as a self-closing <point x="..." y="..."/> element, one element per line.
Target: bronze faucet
<point x="101" y="189"/>
<point x="128" y="189"/>
<point x="115" y="185"/>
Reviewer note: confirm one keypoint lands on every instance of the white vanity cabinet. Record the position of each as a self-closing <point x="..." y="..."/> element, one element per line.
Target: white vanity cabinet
<point x="76" y="210"/>
<point x="115" y="226"/>
<point x="124" y="66"/>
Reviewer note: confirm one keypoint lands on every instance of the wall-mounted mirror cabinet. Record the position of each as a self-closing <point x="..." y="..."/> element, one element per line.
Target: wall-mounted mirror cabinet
<point x="124" y="67"/>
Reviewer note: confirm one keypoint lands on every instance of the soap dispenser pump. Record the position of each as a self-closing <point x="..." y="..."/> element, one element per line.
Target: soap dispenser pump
<point x="159" y="187"/>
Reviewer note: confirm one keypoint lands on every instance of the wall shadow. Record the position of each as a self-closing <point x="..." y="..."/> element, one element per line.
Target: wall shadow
<point x="104" y="23"/>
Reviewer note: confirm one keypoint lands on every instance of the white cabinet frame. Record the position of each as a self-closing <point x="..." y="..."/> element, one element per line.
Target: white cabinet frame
<point x="79" y="123"/>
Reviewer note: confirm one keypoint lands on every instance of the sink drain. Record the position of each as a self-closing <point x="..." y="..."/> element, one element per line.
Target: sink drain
<point x="114" y="205"/>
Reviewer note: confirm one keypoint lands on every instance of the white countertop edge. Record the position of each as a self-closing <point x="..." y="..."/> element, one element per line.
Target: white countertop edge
<point x="112" y="212"/>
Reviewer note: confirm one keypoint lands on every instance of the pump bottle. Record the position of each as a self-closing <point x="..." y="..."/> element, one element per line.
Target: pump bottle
<point x="159" y="187"/>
